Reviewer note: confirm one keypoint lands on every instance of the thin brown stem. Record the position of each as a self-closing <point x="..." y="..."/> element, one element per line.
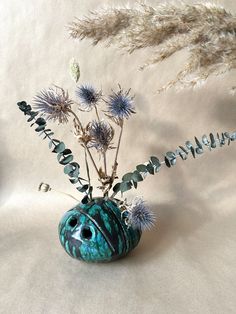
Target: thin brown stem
<point x="85" y="145"/>
<point x="77" y="119"/>
<point x="88" y="174"/>
<point x="114" y="169"/>
<point x="118" y="145"/>
<point x="93" y="162"/>
<point x="96" y="109"/>
<point x="105" y="163"/>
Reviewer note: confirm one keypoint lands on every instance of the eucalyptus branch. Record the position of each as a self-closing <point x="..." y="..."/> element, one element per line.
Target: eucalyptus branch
<point x="64" y="155"/>
<point x="131" y="179"/>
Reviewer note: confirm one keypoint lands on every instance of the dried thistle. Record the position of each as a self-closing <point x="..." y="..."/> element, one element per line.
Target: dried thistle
<point x="88" y="96"/>
<point x="55" y="104"/>
<point x="207" y="30"/>
<point x="101" y="134"/>
<point x="139" y="215"/>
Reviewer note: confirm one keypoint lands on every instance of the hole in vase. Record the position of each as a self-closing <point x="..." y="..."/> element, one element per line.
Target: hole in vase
<point x="73" y="222"/>
<point x="86" y="233"/>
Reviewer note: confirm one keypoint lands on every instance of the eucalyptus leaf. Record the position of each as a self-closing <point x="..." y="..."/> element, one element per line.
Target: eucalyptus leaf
<point x="74" y="180"/>
<point x="50" y="144"/>
<point x="141" y="168"/>
<point x="136" y="177"/>
<point x="205" y="140"/>
<point x="68" y="168"/>
<point x="199" y="151"/>
<point x="40" y="121"/>
<point x="184" y="150"/>
<point x="173" y="162"/>
<point x="233" y="136"/>
<point x="40" y="128"/>
<point x="127" y="177"/>
<point x="170" y="155"/>
<point x="66" y="160"/>
<point x="125" y="186"/>
<point x="150" y="168"/>
<point x="192" y="150"/>
<point x="66" y="151"/>
<point x="213" y="142"/>
<point x="85" y="200"/>
<point x="83" y="188"/>
<point x="188" y="144"/>
<point x="59" y="156"/>
<point x="199" y="145"/>
<point x="59" y="148"/>
<point x="167" y="162"/>
<point x="116" y="188"/>
<point x="155" y="161"/>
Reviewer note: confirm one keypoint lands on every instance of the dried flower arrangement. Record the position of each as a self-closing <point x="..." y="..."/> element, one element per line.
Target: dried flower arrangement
<point x="105" y="228"/>
<point x="207" y="30"/>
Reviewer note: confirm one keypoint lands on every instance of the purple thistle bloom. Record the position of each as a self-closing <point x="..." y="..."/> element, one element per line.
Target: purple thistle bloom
<point x="88" y="96"/>
<point x="139" y="216"/>
<point x="101" y="134"/>
<point x="120" y="105"/>
<point x="53" y="104"/>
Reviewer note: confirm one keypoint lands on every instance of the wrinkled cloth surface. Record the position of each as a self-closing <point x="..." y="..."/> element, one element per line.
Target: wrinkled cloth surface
<point x="187" y="263"/>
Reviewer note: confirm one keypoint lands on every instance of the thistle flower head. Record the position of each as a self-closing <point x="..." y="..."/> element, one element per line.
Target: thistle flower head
<point x="55" y="104"/>
<point x="139" y="216"/>
<point x="101" y="134"/>
<point x="88" y="96"/>
<point x="120" y="105"/>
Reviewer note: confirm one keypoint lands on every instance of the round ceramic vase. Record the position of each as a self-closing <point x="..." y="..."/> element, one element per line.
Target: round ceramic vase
<point x="96" y="232"/>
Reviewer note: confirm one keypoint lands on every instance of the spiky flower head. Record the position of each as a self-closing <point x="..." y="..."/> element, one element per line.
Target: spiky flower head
<point x="120" y="104"/>
<point x="55" y="104"/>
<point x="139" y="215"/>
<point x="101" y="134"/>
<point x="88" y="97"/>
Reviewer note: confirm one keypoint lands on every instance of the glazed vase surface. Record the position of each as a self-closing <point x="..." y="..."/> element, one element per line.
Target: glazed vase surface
<point x="96" y="232"/>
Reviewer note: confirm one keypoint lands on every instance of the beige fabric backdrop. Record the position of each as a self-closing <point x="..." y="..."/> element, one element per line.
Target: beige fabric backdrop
<point x="185" y="265"/>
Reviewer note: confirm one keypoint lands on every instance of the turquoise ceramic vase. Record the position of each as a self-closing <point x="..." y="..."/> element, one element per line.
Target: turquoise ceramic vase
<point x="96" y="232"/>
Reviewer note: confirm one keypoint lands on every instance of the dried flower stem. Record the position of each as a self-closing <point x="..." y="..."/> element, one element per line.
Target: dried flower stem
<point x="45" y="187"/>
<point x="85" y="145"/>
<point x="207" y="30"/>
<point x="88" y="173"/>
<point x="77" y="119"/>
<point x="96" y="109"/>
<point x="117" y="152"/>
<point x="104" y="154"/>
<point x="105" y="163"/>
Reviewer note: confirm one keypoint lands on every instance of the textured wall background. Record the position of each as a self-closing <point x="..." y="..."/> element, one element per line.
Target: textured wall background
<point x="187" y="264"/>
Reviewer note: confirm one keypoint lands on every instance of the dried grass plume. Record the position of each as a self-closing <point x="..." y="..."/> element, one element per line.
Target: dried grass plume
<point x="207" y="30"/>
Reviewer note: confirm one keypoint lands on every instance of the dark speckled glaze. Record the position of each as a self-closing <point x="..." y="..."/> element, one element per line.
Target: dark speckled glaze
<point x="95" y="232"/>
